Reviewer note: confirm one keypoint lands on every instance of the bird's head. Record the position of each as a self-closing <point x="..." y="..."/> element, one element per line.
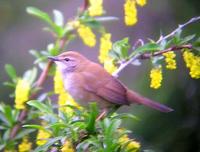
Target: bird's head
<point x="69" y="61"/>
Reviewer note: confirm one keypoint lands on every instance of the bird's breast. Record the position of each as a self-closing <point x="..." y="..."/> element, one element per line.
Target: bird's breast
<point x="75" y="85"/>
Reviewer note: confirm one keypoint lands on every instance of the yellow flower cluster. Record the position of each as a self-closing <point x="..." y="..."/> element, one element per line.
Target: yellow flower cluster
<point x="156" y="77"/>
<point x="96" y="7"/>
<point x="67" y="147"/>
<point x="87" y="35"/>
<point x="130" y="11"/>
<point x="170" y="61"/>
<point x="64" y="98"/>
<point x="73" y="24"/>
<point x="133" y="146"/>
<point x="109" y="66"/>
<point x="22" y="91"/>
<point x="193" y="63"/>
<point x="42" y="137"/>
<point x="141" y="2"/>
<point x="105" y="47"/>
<point x="25" y="145"/>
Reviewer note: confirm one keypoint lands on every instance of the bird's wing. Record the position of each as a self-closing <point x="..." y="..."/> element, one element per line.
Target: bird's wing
<point x="105" y="86"/>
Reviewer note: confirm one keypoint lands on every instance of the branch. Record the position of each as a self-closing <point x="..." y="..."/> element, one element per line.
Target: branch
<point x="174" y="48"/>
<point x="149" y="55"/>
<point x="85" y="5"/>
<point x="192" y="20"/>
<point x="24" y="112"/>
<point x="125" y="64"/>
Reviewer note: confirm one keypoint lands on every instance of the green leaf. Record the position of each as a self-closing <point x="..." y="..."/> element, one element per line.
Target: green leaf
<point x="9" y="84"/>
<point x="106" y="18"/>
<point x="52" y="49"/>
<point x="2" y="146"/>
<point x="30" y="75"/>
<point x="23" y="133"/>
<point x="148" y="47"/>
<point x="57" y="125"/>
<point x="187" y="39"/>
<point x="50" y="142"/>
<point x="92" y="118"/>
<point x="58" y="18"/>
<point x="40" y="106"/>
<point x="8" y="115"/>
<point x="34" y="126"/>
<point x="6" y="134"/>
<point x="89" y="21"/>
<point x="121" y="48"/>
<point x="3" y="119"/>
<point x="125" y="116"/>
<point x="40" y="14"/>
<point x="35" y="53"/>
<point x="11" y="71"/>
<point x="196" y="44"/>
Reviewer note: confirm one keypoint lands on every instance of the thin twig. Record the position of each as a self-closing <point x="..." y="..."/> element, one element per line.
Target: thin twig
<point x="39" y="83"/>
<point x="125" y="64"/>
<point x="85" y="4"/>
<point x="148" y="55"/>
<point x="174" y="48"/>
<point x="24" y="112"/>
<point x="192" y="20"/>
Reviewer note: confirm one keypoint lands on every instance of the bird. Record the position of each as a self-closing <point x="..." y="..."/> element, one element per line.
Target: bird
<point x="87" y="81"/>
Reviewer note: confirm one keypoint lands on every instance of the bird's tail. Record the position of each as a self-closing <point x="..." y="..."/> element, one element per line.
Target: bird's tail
<point x="134" y="97"/>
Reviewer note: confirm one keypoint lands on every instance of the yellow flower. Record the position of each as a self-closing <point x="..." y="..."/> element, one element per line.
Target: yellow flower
<point x="58" y="82"/>
<point x="22" y="91"/>
<point x="64" y="97"/>
<point x="42" y="137"/>
<point x="193" y="63"/>
<point x="188" y="58"/>
<point x="109" y="66"/>
<point x="105" y="47"/>
<point x="130" y="12"/>
<point x="73" y="24"/>
<point x="195" y="68"/>
<point x="156" y="77"/>
<point x="170" y="61"/>
<point x="133" y="146"/>
<point x="141" y="2"/>
<point x="87" y="35"/>
<point x="67" y="147"/>
<point x="96" y="7"/>
<point x="25" y="145"/>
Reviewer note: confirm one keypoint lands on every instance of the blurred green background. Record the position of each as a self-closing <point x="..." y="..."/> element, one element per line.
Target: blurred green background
<point x="178" y="131"/>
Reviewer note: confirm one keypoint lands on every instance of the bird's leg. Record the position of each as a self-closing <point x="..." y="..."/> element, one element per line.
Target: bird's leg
<point x="102" y="114"/>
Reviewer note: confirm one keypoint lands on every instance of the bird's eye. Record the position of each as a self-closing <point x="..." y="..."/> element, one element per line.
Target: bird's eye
<point x="67" y="59"/>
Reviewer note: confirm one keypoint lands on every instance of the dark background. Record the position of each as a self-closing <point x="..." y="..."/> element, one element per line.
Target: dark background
<point x="178" y="131"/>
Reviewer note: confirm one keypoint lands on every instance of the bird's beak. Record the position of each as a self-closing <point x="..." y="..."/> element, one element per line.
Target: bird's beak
<point x="53" y="58"/>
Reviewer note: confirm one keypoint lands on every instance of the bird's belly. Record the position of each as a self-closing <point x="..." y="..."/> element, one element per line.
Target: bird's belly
<point x="74" y="88"/>
<point x="82" y="96"/>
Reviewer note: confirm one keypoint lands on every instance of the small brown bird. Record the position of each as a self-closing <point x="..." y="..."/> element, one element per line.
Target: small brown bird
<point x="87" y="81"/>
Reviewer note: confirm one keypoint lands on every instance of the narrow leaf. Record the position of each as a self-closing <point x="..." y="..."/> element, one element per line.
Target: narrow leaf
<point x="11" y="71"/>
<point x="40" y="14"/>
<point x="149" y="47"/>
<point x="42" y="107"/>
<point x="58" y="18"/>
